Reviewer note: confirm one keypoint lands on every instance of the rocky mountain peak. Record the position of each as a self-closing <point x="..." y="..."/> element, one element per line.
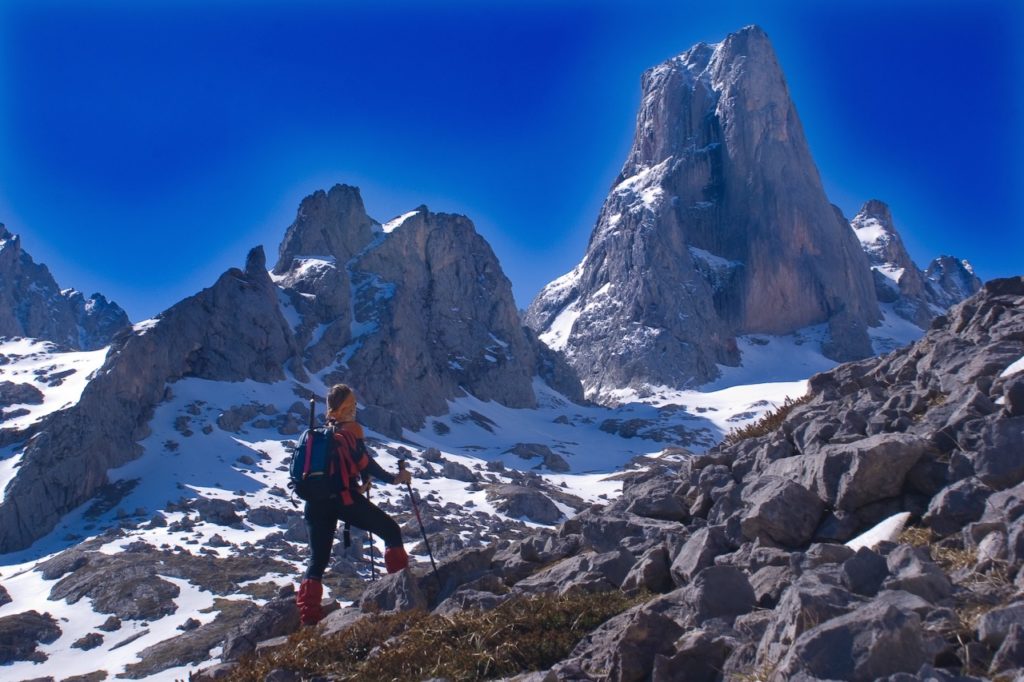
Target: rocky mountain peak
<point x="915" y="295"/>
<point x="717" y="226"/>
<point x="420" y="295"/>
<point x="878" y="209"/>
<point x="877" y="234"/>
<point x="256" y="262"/>
<point x="951" y="280"/>
<point x="328" y="224"/>
<point x="33" y="305"/>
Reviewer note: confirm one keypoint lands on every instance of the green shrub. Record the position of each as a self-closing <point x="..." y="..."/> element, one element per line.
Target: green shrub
<point x="768" y="423"/>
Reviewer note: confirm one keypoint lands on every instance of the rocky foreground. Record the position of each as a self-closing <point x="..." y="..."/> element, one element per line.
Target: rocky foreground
<point x="746" y="550"/>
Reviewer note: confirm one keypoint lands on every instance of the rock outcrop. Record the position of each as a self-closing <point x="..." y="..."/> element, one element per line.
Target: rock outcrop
<point x="717" y="226"/>
<point x="421" y="296"/>
<point x="915" y="295"/>
<point x="32" y="305"/>
<point x="20" y="634"/>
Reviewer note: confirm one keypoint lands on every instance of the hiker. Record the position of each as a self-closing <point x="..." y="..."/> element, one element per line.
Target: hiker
<point x="350" y="505"/>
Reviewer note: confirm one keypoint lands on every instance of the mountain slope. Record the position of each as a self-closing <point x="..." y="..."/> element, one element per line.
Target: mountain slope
<point x="413" y="314"/>
<point x="202" y="524"/>
<point x="230" y="332"/>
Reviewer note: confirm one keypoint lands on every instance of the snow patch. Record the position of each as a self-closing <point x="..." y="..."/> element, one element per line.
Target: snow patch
<point x="894" y="332"/>
<point x="725" y="408"/>
<point x="141" y="328"/>
<point x="392" y="225"/>
<point x="886" y="531"/>
<point x="712" y="261"/>
<point x="305" y="267"/>
<point x="1014" y="368"/>
<point x="645" y="184"/>
<point x="288" y="311"/>
<point x="768" y="359"/>
<point x="890" y="272"/>
<point x="60" y="376"/>
<point x="870" y="233"/>
<point x="556" y="336"/>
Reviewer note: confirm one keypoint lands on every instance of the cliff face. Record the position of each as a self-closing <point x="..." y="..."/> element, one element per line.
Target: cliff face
<point x="32" y="305"/>
<point x="717" y="226"/>
<point x="412" y="313"/>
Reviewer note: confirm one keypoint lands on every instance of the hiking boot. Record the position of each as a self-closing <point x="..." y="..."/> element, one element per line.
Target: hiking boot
<point x="311" y="591"/>
<point x="395" y="559"/>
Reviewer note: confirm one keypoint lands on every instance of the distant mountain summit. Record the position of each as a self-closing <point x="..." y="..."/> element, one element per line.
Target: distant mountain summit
<point x="950" y="280"/>
<point x="718" y="226"/>
<point x="916" y="295"/>
<point x="32" y="305"/>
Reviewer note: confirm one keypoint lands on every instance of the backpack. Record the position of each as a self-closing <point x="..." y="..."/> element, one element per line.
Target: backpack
<point x="317" y="470"/>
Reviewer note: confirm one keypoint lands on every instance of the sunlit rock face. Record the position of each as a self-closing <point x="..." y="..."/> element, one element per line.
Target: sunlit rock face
<point x="717" y="226"/>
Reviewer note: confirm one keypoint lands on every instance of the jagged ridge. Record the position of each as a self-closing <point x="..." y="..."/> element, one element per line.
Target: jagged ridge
<point x="32" y="305"/>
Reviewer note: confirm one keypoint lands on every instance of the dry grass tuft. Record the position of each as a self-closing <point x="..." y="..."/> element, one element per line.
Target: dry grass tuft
<point x="950" y="559"/>
<point x="771" y="421"/>
<point x="520" y="635"/>
<point x="916" y="536"/>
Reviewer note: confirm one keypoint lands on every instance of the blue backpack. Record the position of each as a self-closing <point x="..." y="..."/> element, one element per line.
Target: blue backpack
<point x="317" y="462"/>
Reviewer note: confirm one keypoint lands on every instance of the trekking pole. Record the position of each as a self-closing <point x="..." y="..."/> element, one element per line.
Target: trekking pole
<point x="416" y="509"/>
<point x="369" y="541"/>
<point x="373" y="563"/>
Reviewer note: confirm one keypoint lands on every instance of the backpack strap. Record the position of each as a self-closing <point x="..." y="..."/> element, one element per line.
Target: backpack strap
<point x="309" y="454"/>
<point x="349" y="471"/>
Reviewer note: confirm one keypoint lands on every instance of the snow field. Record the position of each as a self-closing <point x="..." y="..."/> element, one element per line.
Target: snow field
<point x="31" y="361"/>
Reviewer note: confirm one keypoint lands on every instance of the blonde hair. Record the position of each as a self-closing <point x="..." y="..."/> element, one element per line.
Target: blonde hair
<point x="341" y="403"/>
<point x="337" y="395"/>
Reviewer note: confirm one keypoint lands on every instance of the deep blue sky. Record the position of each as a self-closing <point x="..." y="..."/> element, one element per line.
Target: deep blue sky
<point x="145" y="146"/>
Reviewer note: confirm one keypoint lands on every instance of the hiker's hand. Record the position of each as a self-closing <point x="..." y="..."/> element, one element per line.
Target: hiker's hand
<point x="403" y="476"/>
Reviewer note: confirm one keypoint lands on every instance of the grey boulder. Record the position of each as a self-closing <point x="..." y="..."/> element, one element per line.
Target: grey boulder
<point x="781" y="511"/>
<point x="873" y="641"/>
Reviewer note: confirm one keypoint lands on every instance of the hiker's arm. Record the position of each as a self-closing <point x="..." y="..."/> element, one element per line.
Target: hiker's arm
<point x="374" y="469"/>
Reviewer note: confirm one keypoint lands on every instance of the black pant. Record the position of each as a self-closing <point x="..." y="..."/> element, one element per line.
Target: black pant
<point x="322" y="522"/>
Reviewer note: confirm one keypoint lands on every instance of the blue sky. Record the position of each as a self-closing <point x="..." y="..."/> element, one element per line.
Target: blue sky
<point x="146" y="146"/>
